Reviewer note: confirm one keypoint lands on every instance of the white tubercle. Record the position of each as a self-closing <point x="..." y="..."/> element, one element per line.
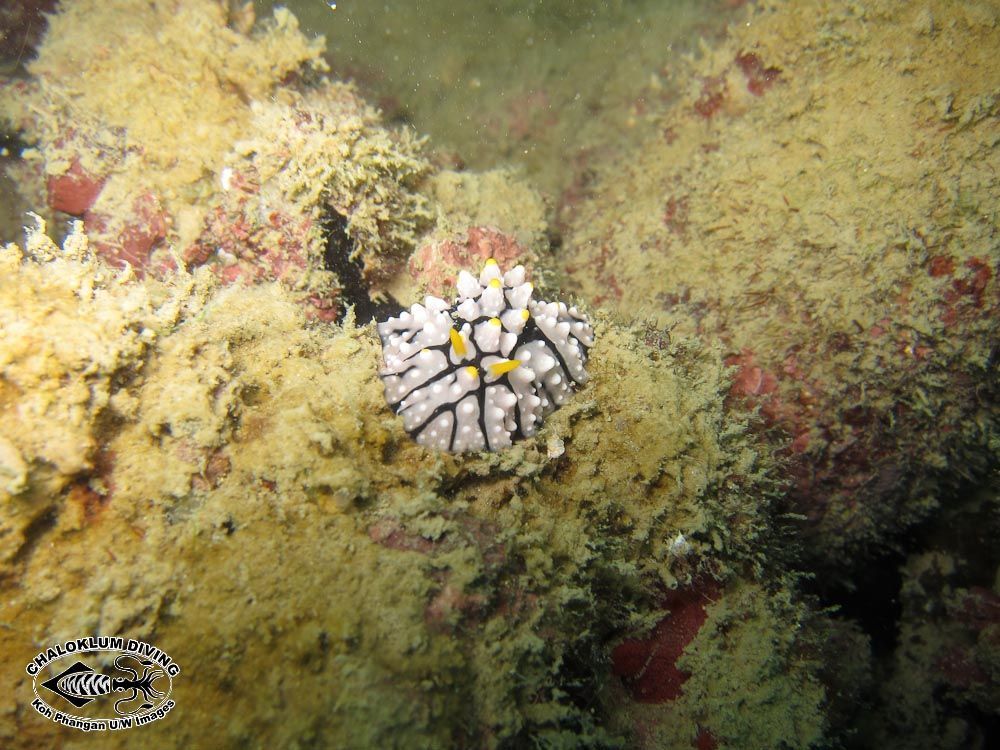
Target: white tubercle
<point x="491" y="301"/>
<point x="435" y="304"/>
<point x="554" y="321"/>
<point x="468" y="309"/>
<point x="468" y="436"/>
<point x="490" y="272"/>
<point x="467" y="285"/>
<point x="499" y="417"/>
<point x="519" y="295"/>
<point x="514" y="320"/>
<point x="514" y="277"/>
<point x="488" y="335"/>
<point x="507" y="343"/>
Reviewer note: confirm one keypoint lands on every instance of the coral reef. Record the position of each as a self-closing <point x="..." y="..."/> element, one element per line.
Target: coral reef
<point x="214" y="158"/>
<point x="193" y="456"/>
<point x="70" y="343"/>
<point x="683" y="689"/>
<point x="792" y="287"/>
<point x="437" y="263"/>
<point x="480" y="215"/>
<point x="820" y="199"/>
<point x="266" y="518"/>
<point x="315" y="156"/>
<point x="497" y="198"/>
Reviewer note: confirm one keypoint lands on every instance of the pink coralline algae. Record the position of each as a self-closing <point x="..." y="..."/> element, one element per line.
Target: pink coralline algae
<point x="436" y="263"/>
<point x="648" y="666"/>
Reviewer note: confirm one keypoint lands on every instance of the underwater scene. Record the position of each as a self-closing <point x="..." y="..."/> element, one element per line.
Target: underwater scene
<point x="500" y="374"/>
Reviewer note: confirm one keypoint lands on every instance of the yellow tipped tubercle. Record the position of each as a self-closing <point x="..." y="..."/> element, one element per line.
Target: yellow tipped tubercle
<point x="457" y="343"/>
<point x="472" y="371"/>
<point x="495" y="283"/>
<point x="500" y="368"/>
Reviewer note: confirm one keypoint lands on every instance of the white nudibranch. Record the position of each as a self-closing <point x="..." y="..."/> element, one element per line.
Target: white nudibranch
<point x="488" y="369"/>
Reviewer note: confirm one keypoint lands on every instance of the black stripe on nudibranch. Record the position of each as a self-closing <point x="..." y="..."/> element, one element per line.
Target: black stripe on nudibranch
<point x="485" y="370"/>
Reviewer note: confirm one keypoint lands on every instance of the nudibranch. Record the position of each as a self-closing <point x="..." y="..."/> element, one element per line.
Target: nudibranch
<point x="486" y="370"/>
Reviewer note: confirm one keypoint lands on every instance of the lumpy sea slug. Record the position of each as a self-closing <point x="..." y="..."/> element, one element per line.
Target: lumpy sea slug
<point x="486" y="370"/>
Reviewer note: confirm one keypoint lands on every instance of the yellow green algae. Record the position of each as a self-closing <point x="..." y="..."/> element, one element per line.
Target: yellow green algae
<point x="498" y="199"/>
<point x="117" y="79"/>
<point x="215" y="136"/>
<point x="822" y="197"/>
<point x="767" y="697"/>
<point x="59" y="383"/>
<point x="326" y="149"/>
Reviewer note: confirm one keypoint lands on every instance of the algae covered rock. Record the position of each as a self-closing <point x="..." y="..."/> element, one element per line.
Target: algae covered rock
<point x="196" y="450"/>
<point x="821" y="198"/>
<point x="270" y="524"/>
<point x="73" y="337"/>
<point x="727" y="667"/>
<point x="236" y="153"/>
<point x="114" y="123"/>
<point x="313" y="165"/>
<point x="943" y="667"/>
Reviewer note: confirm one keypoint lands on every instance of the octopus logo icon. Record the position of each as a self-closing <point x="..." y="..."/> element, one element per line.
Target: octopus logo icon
<point x="88" y="674"/>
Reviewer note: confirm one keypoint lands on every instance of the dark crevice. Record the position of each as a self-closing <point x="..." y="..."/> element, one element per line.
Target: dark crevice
<point x="337" y="257"/>
<point x="39" y="526"/>
<point x="11" y="144"/>
<point x="872" y="601"/>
